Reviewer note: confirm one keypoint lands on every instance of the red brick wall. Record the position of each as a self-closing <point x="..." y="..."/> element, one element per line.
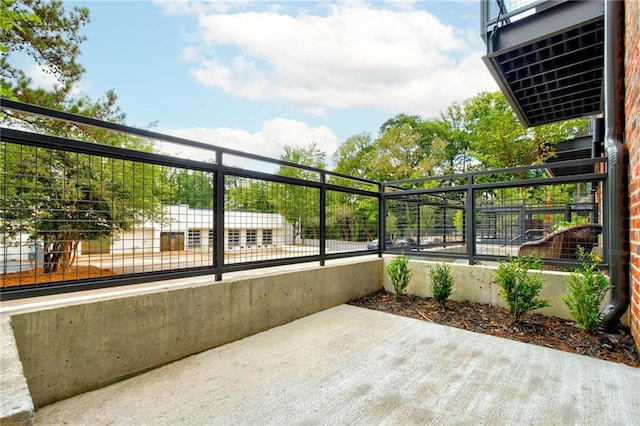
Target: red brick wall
<point x="632" y="139"/>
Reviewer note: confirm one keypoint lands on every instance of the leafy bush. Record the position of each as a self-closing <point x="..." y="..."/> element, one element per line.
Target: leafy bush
<point x="399" y="273"/>
<point x="518" y="287"/>
<point x="587" y="287"/>
<point x="441" y="283"/>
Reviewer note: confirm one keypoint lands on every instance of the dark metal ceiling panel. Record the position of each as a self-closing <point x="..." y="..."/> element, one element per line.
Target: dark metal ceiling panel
<point x="549" y="64"/>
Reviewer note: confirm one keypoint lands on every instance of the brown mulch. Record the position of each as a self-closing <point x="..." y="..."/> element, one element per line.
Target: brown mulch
<point x="37" y="275"/>
<point x="533" y="328"/>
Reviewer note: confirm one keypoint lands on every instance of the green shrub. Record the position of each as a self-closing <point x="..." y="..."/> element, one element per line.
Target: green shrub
<point x="399" y="273"/>
<point x="518" y="287"/>
<point x="441" y="283"/>
<point x="587" y="287"/>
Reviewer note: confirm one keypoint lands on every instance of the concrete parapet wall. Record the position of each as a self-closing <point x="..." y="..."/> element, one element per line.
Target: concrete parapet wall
<point x="70" y="349"/>
<point x="475" y="283"/>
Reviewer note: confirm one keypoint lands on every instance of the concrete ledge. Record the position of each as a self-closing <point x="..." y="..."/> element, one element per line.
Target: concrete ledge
<point x="74" y="348"/>
<point x="475" y="284"/>
<point x="16" y="407"/>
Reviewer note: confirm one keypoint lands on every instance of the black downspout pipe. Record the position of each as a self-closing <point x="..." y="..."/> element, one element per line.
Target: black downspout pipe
<point x="617" y="165"/>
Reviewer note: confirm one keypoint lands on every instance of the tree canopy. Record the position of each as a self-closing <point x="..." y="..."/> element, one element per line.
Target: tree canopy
<point x="480" y="133"/>
<point x="59" y="197"/>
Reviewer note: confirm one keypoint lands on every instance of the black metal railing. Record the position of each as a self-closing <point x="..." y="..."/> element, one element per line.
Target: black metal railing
<point x="79" y="215"/>
<point x="82" y="214"/>
<point x="491" y="215"/>
<point x="497" y="13"/>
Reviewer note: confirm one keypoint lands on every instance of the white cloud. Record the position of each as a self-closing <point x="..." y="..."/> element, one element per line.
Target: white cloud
<point x="42" y="78"/>
<point x="350" y="55"/>
<point x="269" y="142"/>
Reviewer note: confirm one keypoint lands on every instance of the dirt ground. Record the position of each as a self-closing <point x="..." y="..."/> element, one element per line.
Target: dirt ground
<point x="534" y="328"/>
<point x="37" y="275"/>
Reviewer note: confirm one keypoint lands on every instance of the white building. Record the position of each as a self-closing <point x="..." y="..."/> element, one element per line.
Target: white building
<point x="193" y="229"/>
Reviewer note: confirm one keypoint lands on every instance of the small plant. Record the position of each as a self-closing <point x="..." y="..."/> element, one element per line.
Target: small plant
<point x="441" y="283"/>
<point x="518" y="287"/>
<point x="587" y="287"/>
<point x="399" y="273"/>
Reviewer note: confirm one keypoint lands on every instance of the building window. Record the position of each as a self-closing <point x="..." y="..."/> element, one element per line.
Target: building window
<point x="193" y="238"/>
<point x="211" y="238"/>
<point x="234" y="238"/>
<point x="267" y="237"/>
<point x="252" y="237"/>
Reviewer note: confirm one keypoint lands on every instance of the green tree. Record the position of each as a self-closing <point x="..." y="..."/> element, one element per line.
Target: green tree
<point x="299" y="204"/>
<point x="11" y="20"/>
<point x="46" y="34"/>
<point x="61" y="198"/>
<point x="355" y="155"/>
<point x="498" y="140"/>
<point x="450" y="127"/>
<point x="191" y="187"/>
<point x="398" y="155"/>
<point x="248" y="195"/>
<point x="58" y="197"/>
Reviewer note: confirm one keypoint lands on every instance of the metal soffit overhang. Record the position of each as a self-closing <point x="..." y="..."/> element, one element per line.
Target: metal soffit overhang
<point x="550" y="64"/>
<point x="575" y="149"/>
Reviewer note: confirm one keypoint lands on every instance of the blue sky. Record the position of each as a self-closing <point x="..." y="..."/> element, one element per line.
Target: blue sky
<point x="257" y="75"/>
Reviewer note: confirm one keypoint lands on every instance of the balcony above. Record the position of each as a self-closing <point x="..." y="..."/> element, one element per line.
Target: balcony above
<point x="575" y="149"/>
<point x="546" y="56"/>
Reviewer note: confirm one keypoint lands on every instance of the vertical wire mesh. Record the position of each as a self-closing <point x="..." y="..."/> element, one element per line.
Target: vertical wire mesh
<point x="267" y="220"/>
<point x="68" y="216"/>
<point x="351" y="222"/>
<point x="427" y="223"/>
<point x="549" y="221"/>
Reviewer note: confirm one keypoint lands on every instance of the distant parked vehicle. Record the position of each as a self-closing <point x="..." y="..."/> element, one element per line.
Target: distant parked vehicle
<point x="427" y="241"/>
<point x="406" y="242"/>
<point x="374" y="245"/>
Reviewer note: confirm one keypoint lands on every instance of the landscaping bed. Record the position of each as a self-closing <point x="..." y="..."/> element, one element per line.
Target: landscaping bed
<point x="38" y="276"/>
<point x="534" y="328"/>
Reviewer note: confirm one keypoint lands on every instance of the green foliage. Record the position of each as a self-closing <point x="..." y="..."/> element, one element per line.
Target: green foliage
<point x="481" y="132"/>
<point x="568" y="224"/>
<point x="399" y="273"/>
<point x="59" y="197"/>
<point x="47" y="35"/>
<point x="297" y="203"/>
<point x="441" y="283"/>
<point x="519" y="287"/>
<point x="458" y="220"/>
<point x="12" y="20"/>
<point x="191" y="187"/>
<point x="587" y="287"/>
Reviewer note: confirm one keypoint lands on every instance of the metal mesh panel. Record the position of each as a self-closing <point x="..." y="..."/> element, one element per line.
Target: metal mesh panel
<point x="522" y="211"/>
<point x="351" y="222"/>
<point x="427" y="223"/>
<point x="530" y="220"/>
<point x="69" y="216"/>
<point x="267" y="220"/>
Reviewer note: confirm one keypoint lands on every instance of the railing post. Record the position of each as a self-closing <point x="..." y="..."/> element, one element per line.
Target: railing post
<point x="522" y="221"/>
<point x="218" y="193"/>
<point x="471" y="221"/>
<point x="418" y="218"/>
<point x="323" y="218"/>
<point x="382" y="214"/>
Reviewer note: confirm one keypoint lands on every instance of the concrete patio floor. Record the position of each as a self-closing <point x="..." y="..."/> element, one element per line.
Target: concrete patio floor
<point x="349" y="365"/>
